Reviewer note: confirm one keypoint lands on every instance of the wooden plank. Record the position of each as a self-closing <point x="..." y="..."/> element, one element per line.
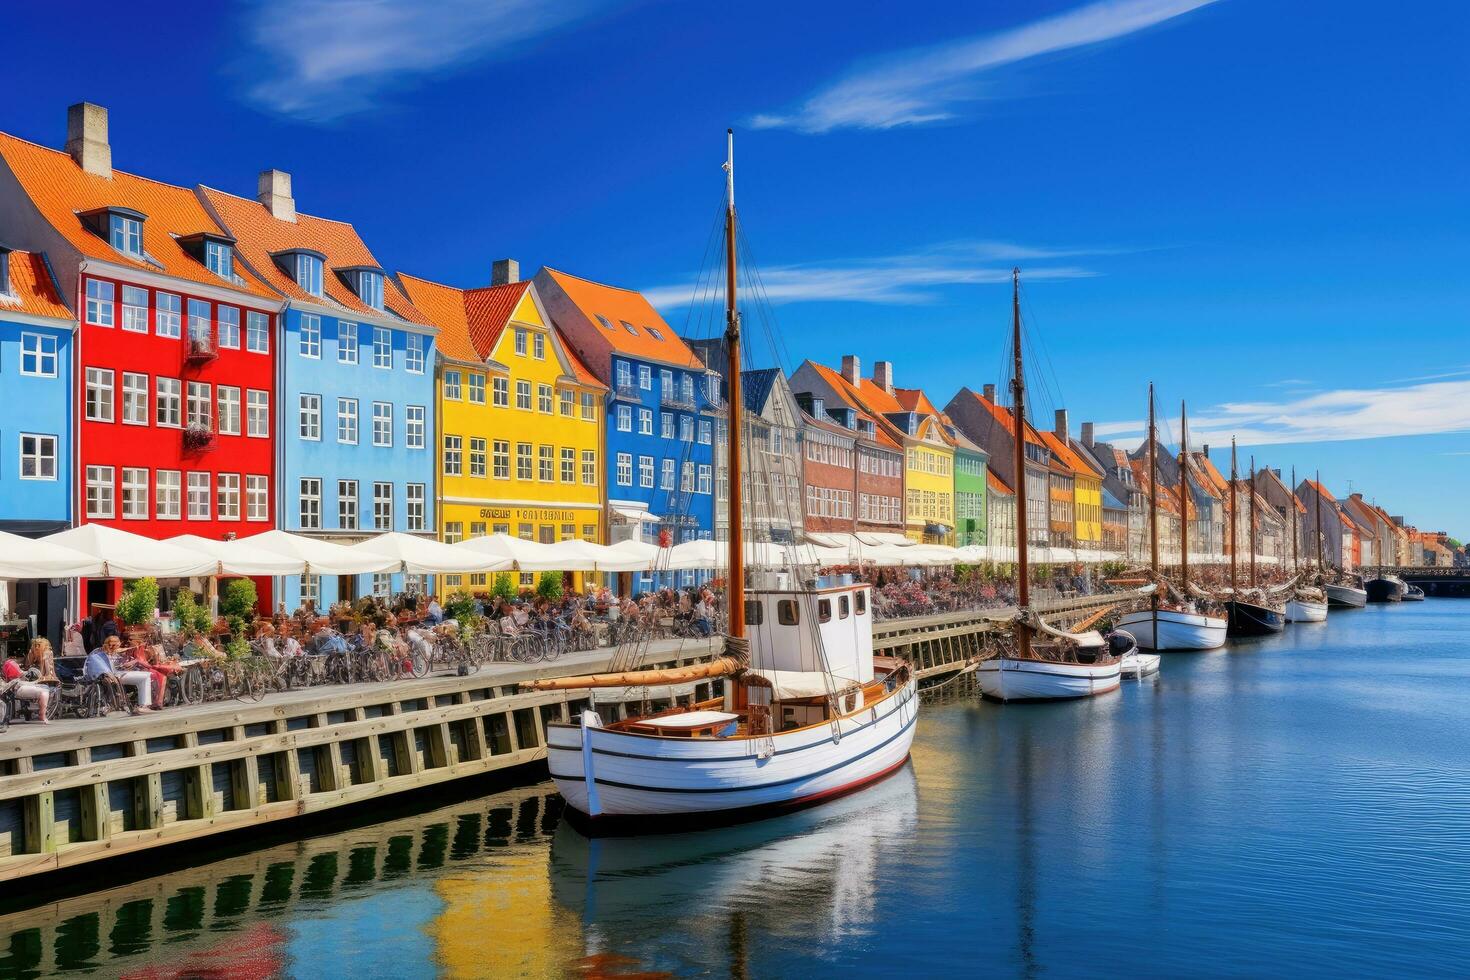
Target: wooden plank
<point x="40" y="823"/>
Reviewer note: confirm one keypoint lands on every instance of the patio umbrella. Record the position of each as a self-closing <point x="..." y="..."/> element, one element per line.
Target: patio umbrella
<point x="527" y="556"/>
<point x="314" y="557"/>
<point x="587" y="556"/>
<point x="127" y="555"/>
<point x="37" y="558"/>
<point x="238" y="557"/>
<point x="423" y="556"/>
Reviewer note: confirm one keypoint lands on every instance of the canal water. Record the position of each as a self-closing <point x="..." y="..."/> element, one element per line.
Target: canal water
<point x="1294" y="806"/>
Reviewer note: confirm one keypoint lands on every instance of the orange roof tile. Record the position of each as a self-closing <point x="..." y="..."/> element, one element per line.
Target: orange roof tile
<point x="624" y="309"/>
<point x="445" y="308"/>
<point x="1063" y="453"/>
<point x="1322" y="490"/>
<point x="997" y="485"/>
<point x="31" y="288"/>
<point x="1207" y="466"/>
<point x="489" y="309"/>
<point x="61" y="190"/>
<point x="885" y="431"/>
<point x="259" y="234"/>
<point x="1003" y="416"/>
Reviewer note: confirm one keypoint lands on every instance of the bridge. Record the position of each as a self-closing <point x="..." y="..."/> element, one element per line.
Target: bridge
<point x="1441" y="581"/>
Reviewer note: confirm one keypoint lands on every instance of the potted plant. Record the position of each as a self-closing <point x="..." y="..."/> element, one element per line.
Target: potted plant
<point x="548" y="586"/>
<point x="135" y="608"/>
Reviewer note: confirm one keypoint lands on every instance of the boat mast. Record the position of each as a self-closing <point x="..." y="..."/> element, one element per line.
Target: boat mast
<point x="1234" y="506"/>
<point x="1018" y="422"/>
<point x="1251" y="503"/>
<point x="1153" y="494"/>
<point x="1321" y="568"/>
<point x="1184" y="496"/>
<point x="1296" y="559"/>
<point x="735" y="586"/>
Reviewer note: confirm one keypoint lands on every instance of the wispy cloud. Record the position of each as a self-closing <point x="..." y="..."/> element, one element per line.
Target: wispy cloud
<point x="911" y="278"/>
<point x="324" y="59"/>
<point x="1332" y="416"/>
<point x="927" y="85"/>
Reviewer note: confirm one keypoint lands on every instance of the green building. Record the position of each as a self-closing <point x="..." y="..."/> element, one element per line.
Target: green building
<point x="970" y="464"/>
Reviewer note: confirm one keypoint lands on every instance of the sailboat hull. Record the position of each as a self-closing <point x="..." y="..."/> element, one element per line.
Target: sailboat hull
<point x="1384" y="590"/>
<point x="1170" y="629"/>
<point x="1345" y="597"/>
<point x="1301" y="611"/>
<point x="1247" y="619"/>
<point x="1412" y="593"/>
<point x="609" y="776"/>
<point x="1007" y="679"/>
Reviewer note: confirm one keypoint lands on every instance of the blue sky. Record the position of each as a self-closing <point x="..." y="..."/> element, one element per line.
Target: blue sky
<point x="1259" y="206"/>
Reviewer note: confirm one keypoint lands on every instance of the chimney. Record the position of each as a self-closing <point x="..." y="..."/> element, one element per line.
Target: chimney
<point x="852" y="369"/>
<point x="1206" y="450"/>
<point x="1277" y="471"/>
<point x="1062" y="431"/>
<point x="988" y="391"/>
<point x="883" y="375"/>
<point x="86" y="138"/>
<point x="1087" y="434"/>
<point x="273" y="189"/>
<point x="503" y="271"/>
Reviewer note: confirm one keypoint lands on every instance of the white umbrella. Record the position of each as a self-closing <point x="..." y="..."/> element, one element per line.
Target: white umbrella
<point x="22" y="557"/>
<point x="691" y="555"/>
<point x="239" y="557"/>
<point x="321" y="557"/>
<point x="528" y="556"/>
<point x="423" y="556"/>
<point x="588" y="556"/>
<point x="642" y="550"/>
<point x="126" y="555"/>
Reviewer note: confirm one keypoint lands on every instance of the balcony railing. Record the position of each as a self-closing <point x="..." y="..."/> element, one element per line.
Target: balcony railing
<point x="199" y="437"/>
<point x="671" y="399"/>
<point x="199" y="350"/>
<point x="627" y="392"/>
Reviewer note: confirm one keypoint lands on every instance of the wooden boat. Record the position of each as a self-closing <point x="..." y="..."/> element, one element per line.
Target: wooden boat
<point x="1299" y="610"/>
<point x="1340" y="596"/>
<point x="1180" y="626"/>
<point x="804" y="717"/>
<point x="1412" y="593"/>
<point x="1244" y="618"/>
<point x="1385" y="588"/>
<point x="1306" y="605"/>
<point x="1134" y="664"/>
<point x="1040" y="663"/>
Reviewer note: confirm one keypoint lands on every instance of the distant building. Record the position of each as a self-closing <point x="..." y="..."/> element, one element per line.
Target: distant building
<point x="989" y="426"/>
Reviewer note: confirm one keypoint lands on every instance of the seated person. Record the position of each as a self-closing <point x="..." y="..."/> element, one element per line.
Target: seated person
<point x="99" y="668"/>
<point x="26" y="690"/>
<point x="150" y="658"/>
<point x="435" y="615"/>
<point x="40" y="659"/>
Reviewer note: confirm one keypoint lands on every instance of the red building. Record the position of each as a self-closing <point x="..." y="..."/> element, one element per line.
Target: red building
<point x="849" y="456"/>
<point x="175" y="354"/>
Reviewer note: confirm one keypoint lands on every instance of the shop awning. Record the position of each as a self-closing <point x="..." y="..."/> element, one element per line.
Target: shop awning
<point x="425" y="556"/>
<point x="633" y="515"/>
<point x="126" y="555"/>
<point x="315" y="557"/>
<point x="38" y="558"/>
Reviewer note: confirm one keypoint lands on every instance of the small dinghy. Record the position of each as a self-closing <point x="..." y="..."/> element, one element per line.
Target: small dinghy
<point x="1345" y="596"/>
<point x="1134" y="663"/>
<point x="1385" y="588"/>
<point x="1412" y="593"/>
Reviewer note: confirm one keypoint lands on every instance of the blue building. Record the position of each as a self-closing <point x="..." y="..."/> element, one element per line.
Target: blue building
<point x="36" y="330"/>
<point x="661" y="413"/>
<point x="355" y="385"/>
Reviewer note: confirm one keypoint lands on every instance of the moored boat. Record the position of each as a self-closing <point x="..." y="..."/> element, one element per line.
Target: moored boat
<point x="1248" y="619"/>
<point x="1133" y="662"/>
<point x="1384" y="588"/>
<point x="1412" y="593"/>
<point x="1345" y="596"/>
<point x="805" y="716"/>
<point x="1299" y="610"/>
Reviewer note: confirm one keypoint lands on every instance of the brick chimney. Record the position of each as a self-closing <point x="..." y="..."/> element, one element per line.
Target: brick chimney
<point x="988" y="391"/>
<point x="273" y="189"/>
<point x="1206" y="450"/>
<point x="503" y="271"/>
<point x="1061" y="428"/>
<point x="852" y="369"/>
<point x="883" y="375"/>
<point x="1087" y="434"/>
<point x="86" y="138"/>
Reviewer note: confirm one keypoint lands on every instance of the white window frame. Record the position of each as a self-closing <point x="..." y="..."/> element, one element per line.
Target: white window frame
<point x="135" y="493"/>
<point x="383" y="348"/>
<point x="257" y="332"/>
<point x="136" y="405"/>
<point x="168" y="315"/>
<point x="227" y="409"/>
<point x="227" y="496"/>
<point x="101" y="302"/>
<point x="228" y="319"/>
<point x="257" y="413"/>
<point x="625" y="469"/>
<point x="645" y="472"/>
<point x="257" y="498"/>
<point x="310" y="512"/>
<point x="453" y="459"/>
<point x="134" y="315"/>
<point x="33" y="347"/>
<point x="414" y="506"/>
<point x="309" y="426"/>
<point x="383" y="424"/>
<point x="346" y="342"/>
<point x="414" y="426"/>
<point x="309" y="337"/>
<point x="413" y="353"/>
<point x="348" y="512"/>
<point x="589" y="467"/>
<point x="382" y="506"/>
<point x="38" y="456"/>
<point x="168" y="402"/>
<point x="453" y="386"/>
<point x="168" y="495"/>
<point x="100" y="380"/>
<point x="200" y="494"/>
<point x="101" y="490"/>
<point x="347" y="421"/>
<point x="475" y="385"/>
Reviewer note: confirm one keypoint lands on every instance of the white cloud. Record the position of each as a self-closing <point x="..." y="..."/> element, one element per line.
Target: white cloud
<point x="331" y="58"/>
<point x="1331" y="416"/>
<point x="925" y="85"/>
<point x="893" y="279"/>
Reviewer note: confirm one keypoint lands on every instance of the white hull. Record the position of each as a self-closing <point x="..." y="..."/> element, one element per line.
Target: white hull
<point x="1007" y="679"/>
<point x="1139" y="664"/>
<point x="1170" y="629"/>
<point x="604" y="773"/>
<point x="1346" y="595"/>
<point x="1299" y="611"/>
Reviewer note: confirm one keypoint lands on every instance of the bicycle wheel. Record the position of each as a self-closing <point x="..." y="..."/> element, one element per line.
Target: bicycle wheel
<point x="418" y="663"/>
<point x="91" y="705"/>
<point x="53" y="702"/>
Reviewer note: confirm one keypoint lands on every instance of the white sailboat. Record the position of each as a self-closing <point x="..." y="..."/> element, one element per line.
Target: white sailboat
<point x="1305" y="606"/>
<point x="805" y="716"/>
<point x="1041" y="663"/>
<point x="1164" y="627"/>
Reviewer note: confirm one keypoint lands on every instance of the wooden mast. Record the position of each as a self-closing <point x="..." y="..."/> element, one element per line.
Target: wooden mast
<point x="1234" y="506"/>
<point x="735" y="583"/>
<point x="1018" y="422"/>
<point x="1153" y="496"/>
<point x="1296" y="558"/>
<point x="1317" y="490"/>
<point x="1251" y="503"/>
<point x="1184" y="496"/>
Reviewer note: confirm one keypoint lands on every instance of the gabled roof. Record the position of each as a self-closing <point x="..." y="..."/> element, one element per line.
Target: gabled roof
<point x="756" y="387"/>
<point x="1168" y="498"/>
<point x="884" y="431"/>
<point x="1319" y="488"/>
<point x="471" y="321"/>
<point x="1208" y="468"/>
<point x="629" y="316"/>
<point x="62" y="191"/>
<point x="259" y="235"/>
<point x="1347" y="522"/>
<point x="1001" y="415"/>
<point x="31" y="289"/>
<point x="1063" y="453"/>
<point x="1206" y="478"/>
<point x="997" y="485"/>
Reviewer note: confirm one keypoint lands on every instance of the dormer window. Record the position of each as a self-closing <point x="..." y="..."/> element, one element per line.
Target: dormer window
<point x="304" y="267"/>
<point x="125" y="232"/>
<point x="219" y="258"/>
<point x="366" y="282"/>
<point x="653" y="332"/>
<point x="606" y="324"/>
<point x="5" y="289"/>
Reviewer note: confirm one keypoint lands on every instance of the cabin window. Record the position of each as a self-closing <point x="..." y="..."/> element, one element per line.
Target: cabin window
<point x="842" y="607"/>
<point x="755" y="613"/>
<point x="824" y="610"/>
<point x="787" y="613"/>
<point x="862" y="602"/>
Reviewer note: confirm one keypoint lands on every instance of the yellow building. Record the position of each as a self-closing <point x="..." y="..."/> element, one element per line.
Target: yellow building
<point x="519" y="421"/>
<point x="1086" y="490"/>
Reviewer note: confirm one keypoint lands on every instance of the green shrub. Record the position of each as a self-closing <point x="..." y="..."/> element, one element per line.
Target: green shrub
<point x="504" y="587"/>
<point x="238" y="599"/>
<point x="190" y="616"/>
<point x="459" y="605"/>
<point x="138" y="601"/>
<point x="548" y="586"/>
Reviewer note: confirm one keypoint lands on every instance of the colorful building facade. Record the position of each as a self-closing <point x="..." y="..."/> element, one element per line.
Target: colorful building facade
<point x="662" y="408"/>
<point x="355" y="387"/>
<point x="971" y="512"/>
<point x="520" y="420"/>
<point x="175" y="351"/>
